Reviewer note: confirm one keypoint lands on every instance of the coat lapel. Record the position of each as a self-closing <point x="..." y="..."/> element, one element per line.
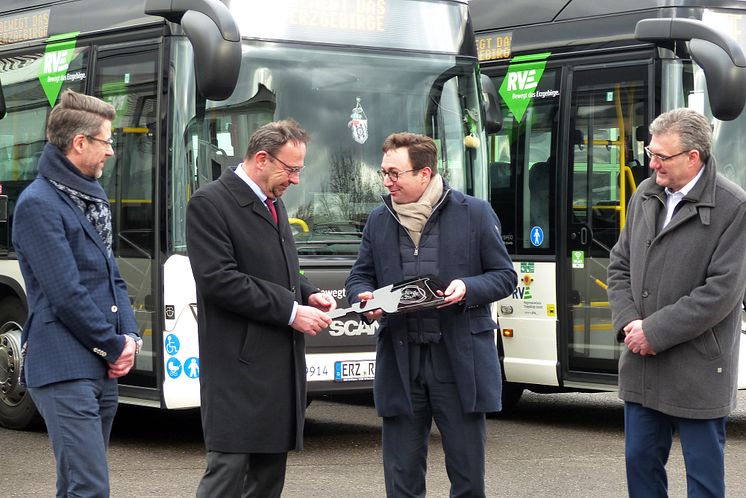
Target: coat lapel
<point x="245" y="197"/>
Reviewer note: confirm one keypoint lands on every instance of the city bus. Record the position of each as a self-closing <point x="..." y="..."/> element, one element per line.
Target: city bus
<point x="191" y="80"/>
<point x="579" y="82"/>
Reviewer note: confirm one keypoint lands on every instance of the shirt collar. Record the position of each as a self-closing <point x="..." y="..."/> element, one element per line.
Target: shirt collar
<point x="241" y="173"/>
<point x="688" y="187"/>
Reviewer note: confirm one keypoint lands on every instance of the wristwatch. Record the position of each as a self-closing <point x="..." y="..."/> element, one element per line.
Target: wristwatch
<point x="138" y="342"/>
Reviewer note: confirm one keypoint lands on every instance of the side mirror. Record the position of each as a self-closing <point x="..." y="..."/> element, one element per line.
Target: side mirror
<point x="3" y="109"/>
<point x="215" y="39"/>
<point x="4" y="228"/>
<point x="719" y="56"/>
<point x="493" y="117"/>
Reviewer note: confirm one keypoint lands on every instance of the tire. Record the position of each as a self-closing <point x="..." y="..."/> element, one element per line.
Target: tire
<point x="17" y="409"/>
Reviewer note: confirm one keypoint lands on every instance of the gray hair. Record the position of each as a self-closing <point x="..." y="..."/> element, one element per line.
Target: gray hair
<point x="272" y="136"/>
<point x="692" y="127"/>
<point x="77" y="114"/>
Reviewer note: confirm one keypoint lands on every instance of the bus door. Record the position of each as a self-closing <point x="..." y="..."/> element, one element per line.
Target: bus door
<point x="126" y="77"/>
<point x="522" y="187"/>
<point x="605" y="139"/>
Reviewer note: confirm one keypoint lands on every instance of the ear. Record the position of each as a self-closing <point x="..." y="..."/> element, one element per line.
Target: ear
<point x="428" y="173"/>
<point x="694" y="157"/>
<point x="260" y="159"/>
<point x="78" y="144"/>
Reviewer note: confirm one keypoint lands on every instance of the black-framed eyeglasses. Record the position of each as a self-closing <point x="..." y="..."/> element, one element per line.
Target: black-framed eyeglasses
<point x="661" y="157"/>
<point x="393" y="174"/>
<point x="109" y="141"/>
<point x="291" y="170"/>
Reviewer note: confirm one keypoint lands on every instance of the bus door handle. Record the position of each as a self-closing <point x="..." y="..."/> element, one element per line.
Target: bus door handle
<point x="584" y="236"/>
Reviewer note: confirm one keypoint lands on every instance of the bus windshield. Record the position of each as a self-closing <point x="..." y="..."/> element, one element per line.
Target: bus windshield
<point x="329" y="92"/>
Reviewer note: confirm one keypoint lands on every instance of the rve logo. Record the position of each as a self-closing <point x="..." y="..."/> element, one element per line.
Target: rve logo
<point x="57" y="56"/>
<point x="522" y="80"/>
<point x="56" y="62"/>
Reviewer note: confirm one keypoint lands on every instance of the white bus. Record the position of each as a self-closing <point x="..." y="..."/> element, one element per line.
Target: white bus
<point x="191" y="80"/>
<point x="579" y="82"/>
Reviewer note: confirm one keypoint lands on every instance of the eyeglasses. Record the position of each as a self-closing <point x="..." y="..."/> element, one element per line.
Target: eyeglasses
<point x="291" y="170"/>
<point x="393" y="174"/>
<point x="662" y="158"/>
<point x="109" y="142"/>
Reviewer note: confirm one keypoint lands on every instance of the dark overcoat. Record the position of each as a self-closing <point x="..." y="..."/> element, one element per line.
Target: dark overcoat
<point x="471" y="249"/>
<point x="685" y="282"/>
<point x="252" y="363"/>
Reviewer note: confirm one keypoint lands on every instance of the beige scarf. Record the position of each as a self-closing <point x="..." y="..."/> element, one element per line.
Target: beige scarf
<point x="414" y="215"/>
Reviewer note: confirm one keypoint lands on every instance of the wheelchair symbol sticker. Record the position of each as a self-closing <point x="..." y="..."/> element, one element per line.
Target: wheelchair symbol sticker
<point x="171" y="345"/>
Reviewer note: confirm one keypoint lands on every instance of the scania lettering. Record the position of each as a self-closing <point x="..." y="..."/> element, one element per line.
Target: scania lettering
<point x="191" y="80"/>
<point x="352" y="327"/>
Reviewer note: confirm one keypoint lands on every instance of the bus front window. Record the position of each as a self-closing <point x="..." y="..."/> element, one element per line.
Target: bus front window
<point x="348" y="103"/>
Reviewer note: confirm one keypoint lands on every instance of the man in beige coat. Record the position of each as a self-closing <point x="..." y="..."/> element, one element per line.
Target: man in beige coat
<point x="676" y="280"/>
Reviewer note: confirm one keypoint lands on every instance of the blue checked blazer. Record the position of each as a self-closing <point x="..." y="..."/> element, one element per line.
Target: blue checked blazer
<point x="79" y="308"/>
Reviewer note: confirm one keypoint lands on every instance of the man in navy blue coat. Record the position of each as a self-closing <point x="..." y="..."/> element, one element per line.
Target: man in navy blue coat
<point x="440" y="363"/>
<point x="81" y="332"/>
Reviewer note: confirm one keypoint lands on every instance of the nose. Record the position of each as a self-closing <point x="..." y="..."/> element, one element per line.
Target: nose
<point x="387" y="181"/>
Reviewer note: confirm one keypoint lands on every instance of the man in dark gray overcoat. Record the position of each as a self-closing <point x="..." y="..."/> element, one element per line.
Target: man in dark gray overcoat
<point x="676" y="280"/>
<point x="251" y="319"/>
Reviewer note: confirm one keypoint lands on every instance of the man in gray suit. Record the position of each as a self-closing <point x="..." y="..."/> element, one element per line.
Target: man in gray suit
<point x="252" y="317"/>
<point x="676" y="280"/>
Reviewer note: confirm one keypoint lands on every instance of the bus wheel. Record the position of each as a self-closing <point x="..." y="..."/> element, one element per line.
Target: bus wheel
<point x="511" y="394"/>
<point x="17" y="410"/>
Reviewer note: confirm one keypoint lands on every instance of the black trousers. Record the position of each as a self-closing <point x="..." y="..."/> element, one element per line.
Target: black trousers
<point x="243" y="475"/>
<point x="406" y="437"/>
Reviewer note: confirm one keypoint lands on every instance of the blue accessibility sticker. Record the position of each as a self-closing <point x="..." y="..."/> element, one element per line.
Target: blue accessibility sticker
<point x="191" y="367"/>
<point x="173" y="367"/>
<point x="171" y="344"/>
<point x="537" y="236"/>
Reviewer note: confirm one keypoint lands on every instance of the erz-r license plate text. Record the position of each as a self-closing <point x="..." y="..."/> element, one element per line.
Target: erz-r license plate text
<point x="345" y="371"/>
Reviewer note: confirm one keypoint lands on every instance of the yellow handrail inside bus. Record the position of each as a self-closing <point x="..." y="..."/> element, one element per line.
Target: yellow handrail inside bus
<point x="297" y="221"/>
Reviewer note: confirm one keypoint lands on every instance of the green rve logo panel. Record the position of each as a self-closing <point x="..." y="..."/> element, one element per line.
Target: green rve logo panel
<point x="57" y="57"/>
<point x="519" y="85"/>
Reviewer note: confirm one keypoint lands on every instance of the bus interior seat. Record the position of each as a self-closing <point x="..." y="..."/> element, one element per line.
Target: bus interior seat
<point x="577" y="139"/>
<point x="501" y="191"/>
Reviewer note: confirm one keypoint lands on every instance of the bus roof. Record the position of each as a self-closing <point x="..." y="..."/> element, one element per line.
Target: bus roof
<point x="488" y="15"/>
<point x="26" y="20"/>
<point x="537" y="25"/>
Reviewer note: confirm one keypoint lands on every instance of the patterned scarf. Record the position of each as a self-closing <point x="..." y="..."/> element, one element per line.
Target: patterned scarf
<point x="96" y="210"/>
<point x="87" y="193"/>
<point x="414" y="215"/>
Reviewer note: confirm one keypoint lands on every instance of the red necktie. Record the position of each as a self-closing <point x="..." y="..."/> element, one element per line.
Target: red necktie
<point x="272" y="210"/>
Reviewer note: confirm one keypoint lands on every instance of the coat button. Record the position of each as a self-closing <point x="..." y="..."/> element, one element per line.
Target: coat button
<point x="114" y="309"/>
<point x="292" y="289"/>
<point x="648" y="242"/>
<point x="645" y="293"/>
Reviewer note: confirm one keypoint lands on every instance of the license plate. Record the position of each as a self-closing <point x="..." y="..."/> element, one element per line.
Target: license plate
<point x="345" y="371"/>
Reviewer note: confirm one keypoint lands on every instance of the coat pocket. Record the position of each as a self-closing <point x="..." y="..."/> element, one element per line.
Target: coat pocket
<point x="251" y="347"/>
<point x="707" y="344"/>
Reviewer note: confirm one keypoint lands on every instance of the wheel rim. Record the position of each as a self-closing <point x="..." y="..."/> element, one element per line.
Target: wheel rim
<point x="11" y="390"/>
